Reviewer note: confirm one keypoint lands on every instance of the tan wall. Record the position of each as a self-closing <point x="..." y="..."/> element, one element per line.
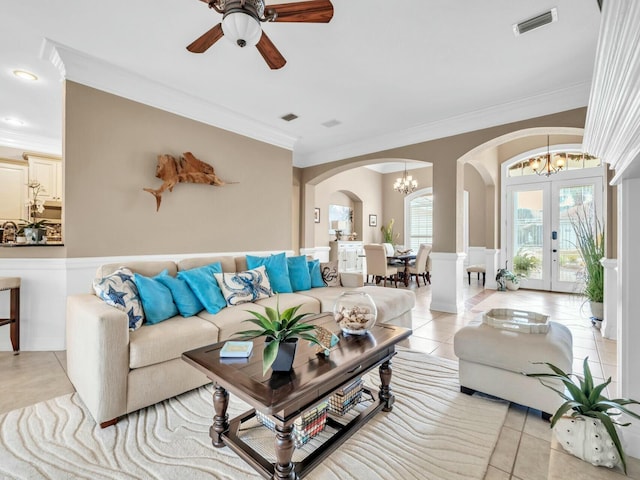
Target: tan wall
<point x="474" y="184"/>
<point x="393" y="205"/>
<point x="444" y="153"/>
<point x="348" y="188"/>
<point x="111" y="145"/>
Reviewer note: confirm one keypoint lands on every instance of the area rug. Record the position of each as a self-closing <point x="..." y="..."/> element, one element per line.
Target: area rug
<point x="433" y="432"/>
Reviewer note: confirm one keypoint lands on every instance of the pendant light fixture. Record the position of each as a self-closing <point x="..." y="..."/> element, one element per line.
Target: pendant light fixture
<point x="546" y="167"/>
<point x="405" y="184"/>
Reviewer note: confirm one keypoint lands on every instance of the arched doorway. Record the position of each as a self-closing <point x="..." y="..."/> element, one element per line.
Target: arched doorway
<point x="537" y="235"/>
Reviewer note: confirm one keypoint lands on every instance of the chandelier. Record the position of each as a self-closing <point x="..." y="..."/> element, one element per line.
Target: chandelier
<point x="406" y="184"/>
<point x="545" y="166"/>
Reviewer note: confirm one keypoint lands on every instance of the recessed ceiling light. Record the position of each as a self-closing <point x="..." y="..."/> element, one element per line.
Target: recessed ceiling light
<point x="331" y="123"/>
<point x="24" y="75"/>
<point x="13" y="121"/>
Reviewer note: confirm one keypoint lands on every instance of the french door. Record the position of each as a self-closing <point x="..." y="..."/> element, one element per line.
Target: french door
<point x="540" y="238"/>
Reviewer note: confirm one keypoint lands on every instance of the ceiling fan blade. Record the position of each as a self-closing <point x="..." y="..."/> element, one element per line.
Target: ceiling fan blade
<point x="202" y="43"/>
<point x="270" y="53"/>
<point x="315" y="11"/>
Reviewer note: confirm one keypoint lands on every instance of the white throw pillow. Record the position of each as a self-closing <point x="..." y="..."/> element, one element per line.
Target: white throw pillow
<point x="244" y="287"/>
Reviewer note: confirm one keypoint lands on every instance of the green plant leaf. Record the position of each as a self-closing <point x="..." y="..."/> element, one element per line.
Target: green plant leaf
<point x="607" y="404"/>
<point x="588" y="379"/>
<point x="269" y="355"/>
<point x="249" y="334"/>
<point x="596" y="393"/>
<point x="564" y="408"/>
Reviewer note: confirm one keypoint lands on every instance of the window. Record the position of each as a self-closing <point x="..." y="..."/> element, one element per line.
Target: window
<point x="419" y="220"/>
<point x="571" y="161"/>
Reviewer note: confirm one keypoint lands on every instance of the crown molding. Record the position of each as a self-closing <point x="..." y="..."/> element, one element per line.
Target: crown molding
<point x="575" y="96"/>
<point x="26" y="141"/>
<point x="612" y="128"/>
<point x="93" y="72"/>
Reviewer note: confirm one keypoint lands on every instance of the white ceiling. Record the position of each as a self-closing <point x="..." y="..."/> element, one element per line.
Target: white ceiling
<point x="392" y="73"/>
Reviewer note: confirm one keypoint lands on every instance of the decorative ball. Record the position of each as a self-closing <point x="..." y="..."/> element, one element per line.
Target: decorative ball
<point x="355" y="312"/>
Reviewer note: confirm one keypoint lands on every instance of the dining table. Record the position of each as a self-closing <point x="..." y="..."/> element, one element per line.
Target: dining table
<point x="405" y="258"/>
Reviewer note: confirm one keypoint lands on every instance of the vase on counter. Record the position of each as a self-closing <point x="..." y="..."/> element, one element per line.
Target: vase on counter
<point x="34" y="235"/>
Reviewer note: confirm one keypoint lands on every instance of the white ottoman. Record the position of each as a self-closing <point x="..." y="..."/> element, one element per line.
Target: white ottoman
<point x="492" y="360"/>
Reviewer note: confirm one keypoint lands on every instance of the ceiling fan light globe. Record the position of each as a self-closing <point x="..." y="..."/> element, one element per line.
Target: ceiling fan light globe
<point x="241" y="29"/>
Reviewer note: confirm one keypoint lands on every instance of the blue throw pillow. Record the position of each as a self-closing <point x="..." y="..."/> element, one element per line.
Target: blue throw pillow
<point x="299" y="273"/>
<point x="184" y="298"/>
<point x="276" y="270"/>
<point x="315" y="273"/>
<point x="157" y="300"/>
<point x="204" y="285"/>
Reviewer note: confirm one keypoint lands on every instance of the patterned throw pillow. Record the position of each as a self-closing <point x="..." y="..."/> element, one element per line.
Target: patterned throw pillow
<point x="243" y="287"/>
<point x="120" y="291"/>
<point x="330" y="275"/>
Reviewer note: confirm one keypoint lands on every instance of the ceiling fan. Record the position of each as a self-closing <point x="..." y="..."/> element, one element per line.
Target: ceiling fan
<point x="241" y="24"/>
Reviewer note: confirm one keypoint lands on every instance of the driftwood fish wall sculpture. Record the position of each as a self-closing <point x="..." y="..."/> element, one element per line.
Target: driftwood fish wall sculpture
<point x="186" y="170"/>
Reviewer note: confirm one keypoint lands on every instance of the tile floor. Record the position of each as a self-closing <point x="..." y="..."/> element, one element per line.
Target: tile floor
<point x="525" y="449"/>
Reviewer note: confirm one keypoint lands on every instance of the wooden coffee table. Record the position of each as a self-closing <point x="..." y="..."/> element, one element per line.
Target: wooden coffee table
<point x="285" y="396"/>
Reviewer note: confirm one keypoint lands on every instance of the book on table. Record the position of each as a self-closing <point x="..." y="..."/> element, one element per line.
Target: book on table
<point x="234" y="349"/>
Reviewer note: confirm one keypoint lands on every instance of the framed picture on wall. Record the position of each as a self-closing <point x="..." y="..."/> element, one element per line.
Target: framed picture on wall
<point x="316" y="215"/>
<point x="373" y="220"/>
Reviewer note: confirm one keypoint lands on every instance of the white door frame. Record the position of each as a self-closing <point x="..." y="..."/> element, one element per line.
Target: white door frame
<point x="565" y="176"/>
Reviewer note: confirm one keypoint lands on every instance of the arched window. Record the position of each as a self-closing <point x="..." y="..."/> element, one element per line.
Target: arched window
<point x="418" y="219"/>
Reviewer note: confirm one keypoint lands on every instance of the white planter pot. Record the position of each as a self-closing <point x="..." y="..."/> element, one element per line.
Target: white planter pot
<point x="512" y="285"/>
<point x="587" y="439"/>
<point x="597" y="310"/>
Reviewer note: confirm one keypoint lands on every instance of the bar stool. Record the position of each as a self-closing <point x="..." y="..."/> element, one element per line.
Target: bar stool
<point x="12" y="284"/>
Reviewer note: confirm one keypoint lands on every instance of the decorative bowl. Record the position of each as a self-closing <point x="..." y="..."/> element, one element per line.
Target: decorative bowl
<point x="355" y="313"/>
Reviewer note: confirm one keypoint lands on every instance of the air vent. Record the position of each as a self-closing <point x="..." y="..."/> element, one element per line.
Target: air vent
<point x="289" y="116"/>
<point x="331" y="123"/>
<point x="536" y="22"/>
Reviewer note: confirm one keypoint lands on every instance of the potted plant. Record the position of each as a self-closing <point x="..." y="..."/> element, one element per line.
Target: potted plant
<point x="524" y="263"/>
<point x="506" y="279"/>
<point x="34" y="229"/>
<point x="590" y="244"/>
<point x="590" y="430"/>
<point x="388" y="237"/>
<point x="282" y="331"/>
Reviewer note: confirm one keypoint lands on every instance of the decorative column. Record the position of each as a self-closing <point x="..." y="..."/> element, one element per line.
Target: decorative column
<point x="610" y="322"/>
<point x="446" y="282"/>
<point x="491" y="259"/>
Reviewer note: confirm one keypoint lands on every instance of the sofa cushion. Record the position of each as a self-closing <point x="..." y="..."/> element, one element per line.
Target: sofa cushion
<point x="226" y="262"/>
<point x="229" y="320"/>
<point x="276" y="269"/>
<point x="299" y="273"/>
<point x="119" y="290"/>
<point x="156" y="298"/>
<point x="243" y="287"/>
<point x="164" y="341"/>
<point x="146" y="268"/>
<point x="288" y="300"/>
<point x="184" y="298"/>
<point x="315" y="274"/>
<point x="205" y="287"/>
<point x="330" y="275"/>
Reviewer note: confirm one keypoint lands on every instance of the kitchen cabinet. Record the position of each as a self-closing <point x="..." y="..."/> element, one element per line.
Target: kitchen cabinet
<point x="348" y="254"/>
<point x="48" y="172"/>
<point x="14" y="176"/>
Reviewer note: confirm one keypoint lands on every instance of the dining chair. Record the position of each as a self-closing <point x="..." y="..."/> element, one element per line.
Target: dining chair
<point x="377" y="264"/>
<point x="422" y="265"/>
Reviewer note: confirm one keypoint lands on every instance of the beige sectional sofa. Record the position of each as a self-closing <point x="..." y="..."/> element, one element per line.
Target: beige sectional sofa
<point x="116" y="371"/>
